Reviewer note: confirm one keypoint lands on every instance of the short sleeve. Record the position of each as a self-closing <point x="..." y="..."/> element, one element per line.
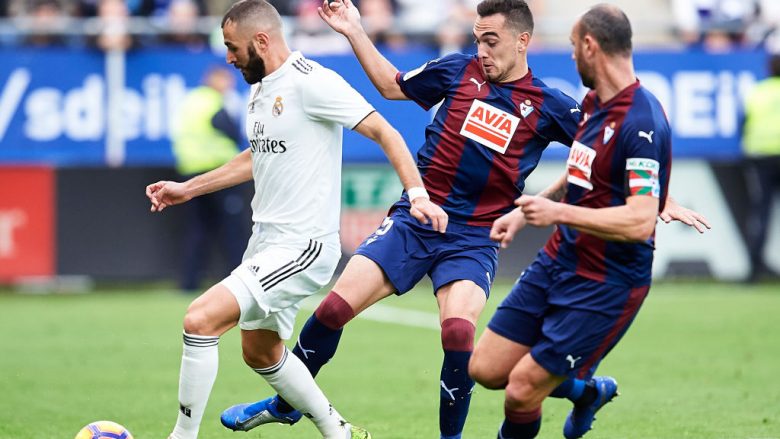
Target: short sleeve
<point x="328" y="97"/>
<point x="428" y="84"/>
<point x="646" y="146"/>
<point x="564" y="116"/>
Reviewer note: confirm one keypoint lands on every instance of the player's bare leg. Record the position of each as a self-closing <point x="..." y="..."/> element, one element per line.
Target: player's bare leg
<point x="207" y="318"/>
<point x="494" y="358"/>
<point x="528" y="385"/>
<point x="460" y="304"/>
<point x="265" y="353"/>
<point x="361" y="284"/>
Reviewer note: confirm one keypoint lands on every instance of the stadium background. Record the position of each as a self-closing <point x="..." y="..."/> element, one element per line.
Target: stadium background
<point x="88" y="126"/>
<point x="84" y="127"/>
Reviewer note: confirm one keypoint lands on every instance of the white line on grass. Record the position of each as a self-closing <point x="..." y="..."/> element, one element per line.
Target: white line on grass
<point x="390" y="314"/>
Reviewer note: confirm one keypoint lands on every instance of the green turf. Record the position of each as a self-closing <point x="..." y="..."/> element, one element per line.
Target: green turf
<point x="700" y="362"/>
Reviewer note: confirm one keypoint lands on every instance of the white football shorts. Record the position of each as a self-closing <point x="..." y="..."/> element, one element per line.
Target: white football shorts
<point x="276" y="274"/>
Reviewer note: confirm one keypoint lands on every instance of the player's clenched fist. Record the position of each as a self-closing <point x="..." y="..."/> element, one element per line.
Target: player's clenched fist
<point x="166" y="193"/>
<point x="539" y="211"/>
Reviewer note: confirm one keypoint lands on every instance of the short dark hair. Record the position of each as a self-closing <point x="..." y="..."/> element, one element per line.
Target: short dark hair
<point x="250" y="10"/>
<point x="610" y="27"/>
<point x="516" y="12"/>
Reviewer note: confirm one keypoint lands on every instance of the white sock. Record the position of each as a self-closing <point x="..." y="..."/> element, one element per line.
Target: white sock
<point x="293" y="382"/>
<point x="199" y="363"/>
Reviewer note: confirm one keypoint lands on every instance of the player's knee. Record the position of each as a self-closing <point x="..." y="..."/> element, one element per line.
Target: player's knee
<point x="260" y="359"/>
<point x="196" y="322"/>
<point x="486" y="376"/>
<point x="521" y="394"/>
<point x="457" y="335"/>
<point x="334" y="312"/>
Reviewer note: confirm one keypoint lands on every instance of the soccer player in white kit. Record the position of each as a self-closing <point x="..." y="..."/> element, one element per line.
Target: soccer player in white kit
<point x="296" y="112"/>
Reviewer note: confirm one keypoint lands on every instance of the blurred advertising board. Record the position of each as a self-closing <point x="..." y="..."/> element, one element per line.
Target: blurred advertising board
<point x="53" y="102"/>
<point x="27" y="222"/>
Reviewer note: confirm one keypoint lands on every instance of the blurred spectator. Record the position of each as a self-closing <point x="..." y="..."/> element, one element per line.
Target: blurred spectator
<point x="46" y="25"/>
<point x="767" y="29"/>
<point x="761" y="145"/>
<point x="285" y="7"/>
<point x="138" y="8"/>
<point x="715" y="25"/>
<point x="455" y="34"/>
<point x="112" y="26"/>
<point x="206" y="136"/>
<point x="181" y="25"/>
<point x="378" y="18"/>
<point x="312" y="36"/>
<point x="420" y="19"/>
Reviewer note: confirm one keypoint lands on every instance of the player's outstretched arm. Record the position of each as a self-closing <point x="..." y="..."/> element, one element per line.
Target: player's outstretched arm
<point x="344" y="18"/>
<point x="376" y="128"/>
<point x="675" y="212"/>
<point x="169" y="193"/>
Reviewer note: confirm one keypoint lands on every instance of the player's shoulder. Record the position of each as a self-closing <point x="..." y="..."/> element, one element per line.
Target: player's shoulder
<point x="304" y="69"/>
<point x="449" y="62"/>
<point x="311" y="76"/>
<point x="646" y="110"/>
<point x="455" y="58"/>
<point x="555" y="99"/>
<point x="646" y="120"/>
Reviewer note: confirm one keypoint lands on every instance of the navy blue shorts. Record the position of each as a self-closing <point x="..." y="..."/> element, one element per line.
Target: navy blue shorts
<point x="570" y="322"/>
<point x="407" y="250"/>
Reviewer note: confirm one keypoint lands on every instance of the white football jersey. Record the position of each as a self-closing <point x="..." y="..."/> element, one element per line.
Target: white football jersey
<point x="294" y="126"/>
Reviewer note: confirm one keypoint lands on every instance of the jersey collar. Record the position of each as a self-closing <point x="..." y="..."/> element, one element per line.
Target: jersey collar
<point x="283" y="68"/>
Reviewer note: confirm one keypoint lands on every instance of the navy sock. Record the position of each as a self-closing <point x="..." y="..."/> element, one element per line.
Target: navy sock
<point x="456" y="386"/>
<point x="316" y="346"/>
<point x="511" y="430"/>
<point x="520" y="425"/>
<point x="570" y="389"/>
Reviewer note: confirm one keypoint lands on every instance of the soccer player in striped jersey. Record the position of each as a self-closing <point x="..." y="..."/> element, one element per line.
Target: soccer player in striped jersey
<point x="572" y="305"/>
<point x="294" y="125"/>
<point x="495" y="120"/>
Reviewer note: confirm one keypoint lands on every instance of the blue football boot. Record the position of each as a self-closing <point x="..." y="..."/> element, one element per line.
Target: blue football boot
<point x="244" y="417"/>
<point x="580" y="419"/>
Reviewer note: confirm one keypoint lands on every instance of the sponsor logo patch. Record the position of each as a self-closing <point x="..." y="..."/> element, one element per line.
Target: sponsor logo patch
<point x="490" y="126"/>
<point x="579" y="165"/>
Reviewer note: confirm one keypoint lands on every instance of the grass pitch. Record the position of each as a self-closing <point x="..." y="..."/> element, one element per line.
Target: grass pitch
<point x="701" y="361"/>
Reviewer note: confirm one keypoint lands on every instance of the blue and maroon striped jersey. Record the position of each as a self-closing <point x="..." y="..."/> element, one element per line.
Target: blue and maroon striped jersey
<point x="486" y="137"/>
<point x="622" y="148"/>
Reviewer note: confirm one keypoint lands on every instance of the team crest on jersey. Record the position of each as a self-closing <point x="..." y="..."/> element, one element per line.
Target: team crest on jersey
<point x="278" y="107"/>
<point x="643" y="177"/>
<point x="489" y="126"/>
<point x="526" y="108"/>
<point x="609" y="131"/>
<point x="579" y="165"/>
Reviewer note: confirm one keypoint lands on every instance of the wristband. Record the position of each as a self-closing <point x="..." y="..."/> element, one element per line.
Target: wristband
<point x="417" y="192"/>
